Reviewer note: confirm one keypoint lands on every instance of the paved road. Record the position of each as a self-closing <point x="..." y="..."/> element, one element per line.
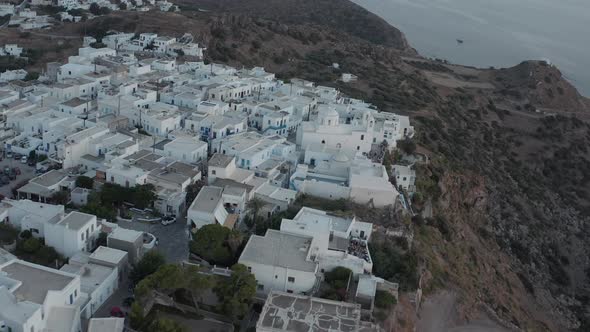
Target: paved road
<point x="172" y="239"/>
<point x="27" y="173"/>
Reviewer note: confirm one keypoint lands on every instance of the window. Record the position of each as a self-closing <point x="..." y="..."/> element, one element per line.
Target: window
<point x="213" y="172"/>
<point x="291" y="279"/>
<point x="289" y="291"/>
<point x="260" y="287"/>
<point x="249" y="269"/>
<point x="362" y="137"/>
<point x="75" y="292"/>
<point x="358" y="147"/>
<point x="82" y="236"/>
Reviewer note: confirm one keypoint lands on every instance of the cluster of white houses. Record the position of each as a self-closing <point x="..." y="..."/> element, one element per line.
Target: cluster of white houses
<point x="122" y="115"/>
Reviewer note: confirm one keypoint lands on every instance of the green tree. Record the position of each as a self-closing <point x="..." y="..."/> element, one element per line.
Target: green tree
<point x="123" y="6"/>
<point x="236" y="292"/>
<point x="136" y="316"/>
<point x="148" y="264"/>
<point x="253" y="207"/>
<point x="165" y="325"/>
<point x="143" y="196"/>
<point x="407" y="146"/>
<point x="192" y="191"/>
<point x="31" y="76"/>
<point x="384" y="299"/>
<point x="61" y="197"/>
<point x="31" y="245"/>
<point x="84" y="182"/>
<point x="94" y="9"/>
<point x="196" y="283"/>
<point x="216" y="244"/>
<point x="338" y="277"/>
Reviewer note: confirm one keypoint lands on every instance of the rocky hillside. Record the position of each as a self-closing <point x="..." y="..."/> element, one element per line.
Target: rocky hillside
<point x="508" y="180"/>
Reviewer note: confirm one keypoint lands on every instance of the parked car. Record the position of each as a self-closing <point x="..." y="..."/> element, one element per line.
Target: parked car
<point x="9" y="154"/>
<point x="117" y="312"/>
<point x="168" y="220"/>
<point x="16" y="170"/>
<point x="5" y="179"/>
<point x="23" y="159"/>
<point x="6" y="170"/>
<point x="32" y="163"/>
<point x="17" y="156"/>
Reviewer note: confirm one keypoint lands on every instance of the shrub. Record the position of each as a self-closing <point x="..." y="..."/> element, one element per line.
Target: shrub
<point x="32" y="245"/>
<point x="26" y="234"/>
<point x="84" y="182"/>
<point x="384" y="300"/>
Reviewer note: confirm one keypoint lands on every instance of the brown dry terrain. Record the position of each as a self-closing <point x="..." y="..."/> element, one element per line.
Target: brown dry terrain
<point x="509" y="178"/>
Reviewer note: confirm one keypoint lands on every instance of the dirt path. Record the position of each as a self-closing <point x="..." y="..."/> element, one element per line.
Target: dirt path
<point x="438" y="314"/>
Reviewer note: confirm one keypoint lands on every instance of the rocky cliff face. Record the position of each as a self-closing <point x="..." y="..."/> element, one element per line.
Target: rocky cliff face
<point x="510" y="166"/>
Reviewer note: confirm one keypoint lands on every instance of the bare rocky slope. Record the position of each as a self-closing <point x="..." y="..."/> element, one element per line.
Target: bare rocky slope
<point x="509" y="173"/>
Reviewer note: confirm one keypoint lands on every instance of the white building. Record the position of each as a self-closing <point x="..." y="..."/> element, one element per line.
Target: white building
<point x="251" y="149"/>
<point x="284" y="312"/>
<point x="405" y="177"/>
<point x="111" y="324"/>
<point x="43" y="187"/>
<point x="31" y="216"/>
<point x="37" y="298"/>
<point x="334" y="175"/>
<point x="352" y="127"/>
<point x="73" y="233"/>
<point x="216" y="205"/>
<point x="11" y="49"/>
<point x="211" y="127"/>
<point x="337" y="241"/>
<point x="188" y="150"/>
<point x="282" y="261"/>
<point x="294" y="259"/>
<point x="99" y="282"/>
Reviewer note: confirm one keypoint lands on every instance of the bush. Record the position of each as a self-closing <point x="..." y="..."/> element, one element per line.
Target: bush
<point x="26" y="234"/>
<point x="394" y="265"/>
<point x="32" y="245"/>
<point x="84" y="182"/>
<point x="8" y="234"/>
<point x="407" y="146"/>
<point x="338" y="277"/>
<point x="384" y="300"/>
<point x="216" y="244"/>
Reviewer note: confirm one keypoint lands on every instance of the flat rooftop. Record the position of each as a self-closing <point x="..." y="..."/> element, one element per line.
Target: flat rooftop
<point x="76" y="220"/>
<point x="207" y="199"/>
<point x="50" y="178"/>
<point x="124" y="234"/>
<point x="112" y="324"/>
<point x="278" y="248"/>
<point x="220" y="160"/>
<point x="36" y="280"/>
<point x="109" y="255"/>
<point x="298" y="313"/>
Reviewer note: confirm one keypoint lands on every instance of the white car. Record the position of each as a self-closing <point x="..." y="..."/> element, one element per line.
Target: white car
<point x="168" y="220"/>
<point x="23" y="159"/>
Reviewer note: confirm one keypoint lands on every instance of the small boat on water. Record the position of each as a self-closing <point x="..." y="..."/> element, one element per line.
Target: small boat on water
<point x="459" y="41"/>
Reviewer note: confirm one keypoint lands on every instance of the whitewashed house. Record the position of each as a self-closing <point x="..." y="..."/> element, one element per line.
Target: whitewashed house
<point x="75" y="232"/>
<point x="38" y="298"/>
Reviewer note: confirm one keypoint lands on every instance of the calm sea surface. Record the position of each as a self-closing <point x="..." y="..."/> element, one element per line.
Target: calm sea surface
<point x="498" y="33"/>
